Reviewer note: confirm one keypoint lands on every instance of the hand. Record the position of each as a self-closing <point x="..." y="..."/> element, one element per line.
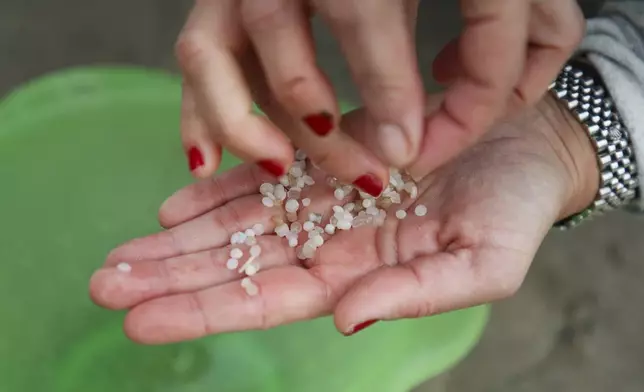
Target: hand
<point x="488" y="212"/>
<point x="505" y="57"/>
<point x="235" y="52"/>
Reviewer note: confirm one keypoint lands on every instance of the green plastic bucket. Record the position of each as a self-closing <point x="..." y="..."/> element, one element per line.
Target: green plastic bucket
<point x="86" y="157"/>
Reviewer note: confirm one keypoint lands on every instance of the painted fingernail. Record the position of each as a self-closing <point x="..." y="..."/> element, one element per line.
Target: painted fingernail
<point x="370" y="184"/>
<point x="273" y="167"/>
<point x="320" y="123"/>
<point x="359" y="327"/>
<point x="394" y="144"/>
<point x="195" y="158"/>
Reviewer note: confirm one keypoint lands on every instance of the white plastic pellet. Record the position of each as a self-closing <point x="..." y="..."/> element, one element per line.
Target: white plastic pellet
<point x="420" y="210"/>
<point x="317" y="240"/>
<point x="267" y="202"/>
<point x="292" y="242"/>
<point x="252" y="290"/>
<point x="251" y="269"/>
<point x="282" y="230"/>
<point x="308" y="226"/>
<point x="373" y="211"/>
<point x="266" y="188"/>
<point x="124" y="267"/>
<point x="231" y="264"/>
<point x="308" y="250"/>
<point x="308" y="180"/>
<point x="296" y="227"/>
<point x="258" y="229"/>
<point x="246" y="282"/>
<point x="300" y="155"/>
<point x="343" y="224"/>
<point x="255" y="250"/>
<point x="306" y="202"/>
<point x="280" y="192"/>
<point x="329" y="229"/>
<point x="250" y="233"/>
<point x="236" y="253"/>
<point x="283" y="180"/>
<point x="338" y="194"/>
<point x="291" y="205"/>
<point x="250" y="241"/>
<point x="366" y="203"/>
<point x="338" y="209"/>
<point x="295" y="171"/>
<point x="350" y="207"/>
<point x="401" y="214"/>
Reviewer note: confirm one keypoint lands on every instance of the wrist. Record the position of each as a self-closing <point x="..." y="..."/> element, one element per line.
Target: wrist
<point x="574" y="153"/>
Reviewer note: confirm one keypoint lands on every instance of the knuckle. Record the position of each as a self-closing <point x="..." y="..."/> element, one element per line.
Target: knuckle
<point x="293" y="91"/>
<point x="262" y="15"/>
<point x="190" y="50"/>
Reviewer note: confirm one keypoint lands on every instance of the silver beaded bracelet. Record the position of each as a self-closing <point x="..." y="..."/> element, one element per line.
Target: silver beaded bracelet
<point x="580" y="88"/>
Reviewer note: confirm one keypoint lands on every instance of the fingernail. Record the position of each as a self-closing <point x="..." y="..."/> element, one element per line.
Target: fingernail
<point x="320" y="123"/>
<point x="394" y="144"/>
<point x="370" y="184"/>
<point x="195" y="158"/>
<point x="359" y="327"/>
<point x="273" y="167"/>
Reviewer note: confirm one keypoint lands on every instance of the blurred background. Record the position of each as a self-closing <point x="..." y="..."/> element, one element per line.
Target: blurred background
<point x="576" y="325"/>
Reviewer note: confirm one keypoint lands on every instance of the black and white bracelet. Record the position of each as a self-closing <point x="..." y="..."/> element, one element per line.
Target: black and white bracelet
<point x="580" y="88"/>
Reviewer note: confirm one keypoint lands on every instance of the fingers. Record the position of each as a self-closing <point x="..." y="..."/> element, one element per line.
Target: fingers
<point x="489" y="74"/>
<point x="150" y="279"/>
<point x="296" y="96"/>
<point x="556" y="28"/>
<point x="378" y="44"/>
<point x="210" y="230"/>
<point x="205" y="51"/>
<point x="204" y="155"/>
<point x="430" y="285"/>
<point x="203" y="196"/>
<point x="285" y="295"/>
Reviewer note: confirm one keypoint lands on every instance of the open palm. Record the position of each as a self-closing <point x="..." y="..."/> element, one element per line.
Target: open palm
<point x="488" y="212"/>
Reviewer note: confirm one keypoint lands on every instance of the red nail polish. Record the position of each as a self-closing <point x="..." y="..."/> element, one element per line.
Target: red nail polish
<point x="195" y="158"/>
<point x="320" y="123"/>
<point x="359" y="327"/>
<point x="370" y="184"/>
<point x="273" y="167"/>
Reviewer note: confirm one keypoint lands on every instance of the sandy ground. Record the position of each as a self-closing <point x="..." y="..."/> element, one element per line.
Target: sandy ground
<point x="575" y="325"/>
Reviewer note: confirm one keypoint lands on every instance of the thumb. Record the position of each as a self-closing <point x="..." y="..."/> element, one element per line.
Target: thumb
<point x="426" y="286"/>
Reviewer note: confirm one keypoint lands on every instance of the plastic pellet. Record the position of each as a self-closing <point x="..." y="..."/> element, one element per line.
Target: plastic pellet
<point x="292" y="242"/>
<point x="250" y="241"/>
<point x="280" y="192"/>
<point x="246" y="282"/>
<point x="308" y="180"/>
<point x="294" y="193"/>
<point x="236" y="253"/>
<point x="308" y="226"/>
<point x="350" y="207"/>
<point x="255" y="250"/>
<point x="317" y="240"/>
<point x="420" y="210"/>
<point x="292" y="205"/>
<point x="258" y="229"/>
<point x="124" y="267"/>
<point x="250" y="233"/>
<point x="295" y="171"/>
<point x="401" y="214"/>
<point x="329" y="229"/>
<point x="344" y="224"/>
<point x="306" y="202"/>
<point x="366" y="203"/>
<point x="282" y="230"/>
<point x="338" y="194"/>
<point x="252" y="290"/>
<point x="300" y="155"/>
<point x="251" y="269"/>
<point x="268" y="202"/>
<point x="232" y="264"/>
<point x="266" y="188"/>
